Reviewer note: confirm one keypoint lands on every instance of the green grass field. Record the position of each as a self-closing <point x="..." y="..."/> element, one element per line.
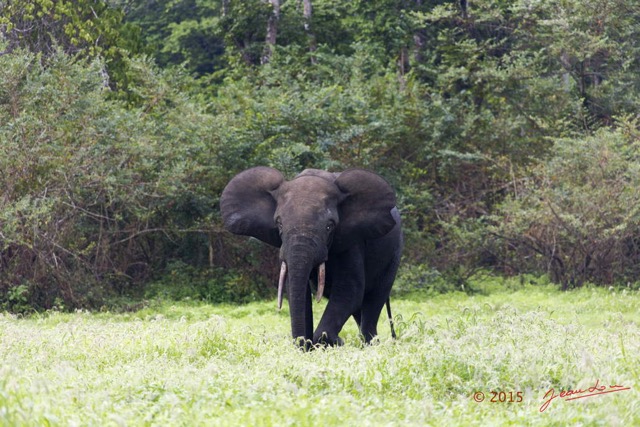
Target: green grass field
<point x="188" y="364"/>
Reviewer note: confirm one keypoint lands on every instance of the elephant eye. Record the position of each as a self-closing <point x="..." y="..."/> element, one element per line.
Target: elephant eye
<point x="331" y="225"/>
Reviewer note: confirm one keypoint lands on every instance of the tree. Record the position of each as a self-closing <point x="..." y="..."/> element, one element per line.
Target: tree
<point x="185" y="32"/>
<point x="90" y="28"/>
<point x="43" y="25"/>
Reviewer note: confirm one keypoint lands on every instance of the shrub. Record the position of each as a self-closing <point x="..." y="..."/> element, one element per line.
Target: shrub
<point x="577" y="217"/>
<point x="93" y="192"/>
<point x="182" y="281"/>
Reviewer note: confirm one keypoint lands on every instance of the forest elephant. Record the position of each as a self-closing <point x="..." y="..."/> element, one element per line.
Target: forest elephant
<point x="339" y="235"/>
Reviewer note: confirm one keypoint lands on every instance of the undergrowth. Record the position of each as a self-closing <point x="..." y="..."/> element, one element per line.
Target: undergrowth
<point x="190" y="363"/>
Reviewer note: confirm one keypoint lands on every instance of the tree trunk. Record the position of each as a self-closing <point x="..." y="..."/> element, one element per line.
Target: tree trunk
<point x="403" y="67"/>
<point x="272" y="31"/>
<point x="419" y="39"/>
<point x="307" y="13"/>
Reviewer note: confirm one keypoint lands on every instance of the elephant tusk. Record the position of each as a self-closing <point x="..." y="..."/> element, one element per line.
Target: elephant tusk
<point x="321" y="276"/>
<point x="283" y="275"/>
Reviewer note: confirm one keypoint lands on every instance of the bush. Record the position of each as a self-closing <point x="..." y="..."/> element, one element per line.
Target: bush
<point x="423" y="279"/>
<point x="577" y="217"/>
<point x="93" y="193"/>
<point x="182" y="281"/>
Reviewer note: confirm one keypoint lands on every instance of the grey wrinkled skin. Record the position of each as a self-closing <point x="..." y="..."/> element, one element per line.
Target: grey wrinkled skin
<point x="347" y="220"/>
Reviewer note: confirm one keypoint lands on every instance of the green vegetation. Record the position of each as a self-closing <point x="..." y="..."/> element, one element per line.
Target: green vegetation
<point x="509" y="130"/>
<point x="195" y="364"/>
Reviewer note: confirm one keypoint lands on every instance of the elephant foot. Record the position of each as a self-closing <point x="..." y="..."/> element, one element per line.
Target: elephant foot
<point x="303" y="344"/>
<point x="375" y="340"/>
<point x="325" y="340"/>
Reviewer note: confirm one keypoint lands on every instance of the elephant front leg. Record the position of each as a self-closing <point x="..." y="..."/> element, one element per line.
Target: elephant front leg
<point x="346" y="299"/>
<point x="327" y="332"/>
<point x="345" y="273"/>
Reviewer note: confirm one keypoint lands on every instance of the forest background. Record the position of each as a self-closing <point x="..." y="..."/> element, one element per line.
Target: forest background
<point x="509" y="128"/>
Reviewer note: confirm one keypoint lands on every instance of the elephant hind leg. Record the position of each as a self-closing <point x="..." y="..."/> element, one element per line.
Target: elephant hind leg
<point x="374" y="302"/>
<point x="369" y="324"/>
<point x="367" y="331"/>
<point x="357" y="316"/>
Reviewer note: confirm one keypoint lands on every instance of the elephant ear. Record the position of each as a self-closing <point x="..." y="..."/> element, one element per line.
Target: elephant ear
<point x="365" y="212"/>
<point x="247" y="204"/>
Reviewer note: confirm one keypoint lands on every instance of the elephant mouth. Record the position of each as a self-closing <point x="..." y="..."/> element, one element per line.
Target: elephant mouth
<point x="283" y="277"/>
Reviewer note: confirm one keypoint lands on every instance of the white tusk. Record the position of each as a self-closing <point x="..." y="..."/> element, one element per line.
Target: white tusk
<point x="283" y="274"/>
<point x="321" y="275"/>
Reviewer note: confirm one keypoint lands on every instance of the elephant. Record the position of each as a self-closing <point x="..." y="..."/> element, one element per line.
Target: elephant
<point x="340" y="232"/>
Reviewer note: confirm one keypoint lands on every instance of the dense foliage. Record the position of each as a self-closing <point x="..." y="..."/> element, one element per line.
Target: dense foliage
<point x="509" y="129"/>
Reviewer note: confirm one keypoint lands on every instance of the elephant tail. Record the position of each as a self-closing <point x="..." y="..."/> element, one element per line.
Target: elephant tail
<point x="393" y="331"/>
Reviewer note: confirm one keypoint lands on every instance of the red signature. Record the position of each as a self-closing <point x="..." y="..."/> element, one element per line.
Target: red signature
<point x="579" y="393"/>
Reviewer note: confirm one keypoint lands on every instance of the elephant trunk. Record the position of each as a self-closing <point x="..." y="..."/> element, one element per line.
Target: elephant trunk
<point x="300" y="303"/>
<point x="300" y="256"/>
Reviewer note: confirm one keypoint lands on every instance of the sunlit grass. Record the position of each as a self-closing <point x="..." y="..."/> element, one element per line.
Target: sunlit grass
<point x="194" y="364"/>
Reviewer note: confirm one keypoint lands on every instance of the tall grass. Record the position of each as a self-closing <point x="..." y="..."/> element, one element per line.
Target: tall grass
<point x="191" y="364"/>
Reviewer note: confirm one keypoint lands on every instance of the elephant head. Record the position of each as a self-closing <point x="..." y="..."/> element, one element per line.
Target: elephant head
<point x="309" y="218"/>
